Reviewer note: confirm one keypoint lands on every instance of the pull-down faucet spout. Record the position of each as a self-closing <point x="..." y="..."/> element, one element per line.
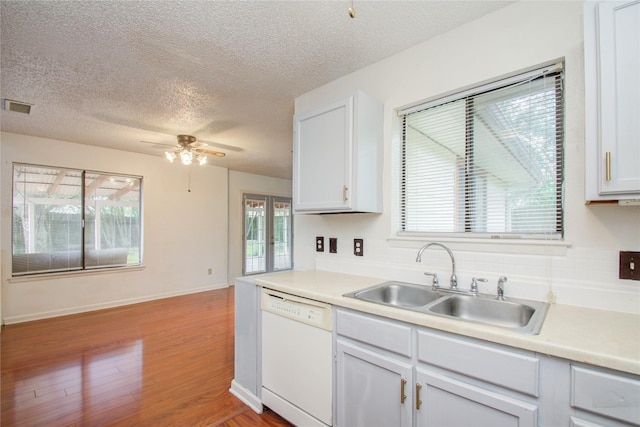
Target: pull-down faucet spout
<point x="453" y="283"/>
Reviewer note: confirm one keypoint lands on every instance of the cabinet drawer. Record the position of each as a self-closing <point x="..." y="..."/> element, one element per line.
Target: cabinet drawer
<point x="385" y="334"/>
<point x="602" y="393"/>
<point x="515" y="370"/>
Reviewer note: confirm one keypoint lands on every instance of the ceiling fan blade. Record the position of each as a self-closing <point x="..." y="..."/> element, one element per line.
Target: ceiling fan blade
<point x="209" y="152"/>
<point x="160" y="144"/>
<point x="222" y="146"/>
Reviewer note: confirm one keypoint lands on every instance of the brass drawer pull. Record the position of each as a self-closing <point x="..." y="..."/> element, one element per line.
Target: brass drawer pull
<point x="403" y="396"/>
<point x="607" y="157"/>
<point x="418" y="401"/>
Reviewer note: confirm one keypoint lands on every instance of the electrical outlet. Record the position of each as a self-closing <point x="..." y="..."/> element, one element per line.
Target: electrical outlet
<point x="629" y="265"/>
<point x="320" y="244"/>
<point x="358" y="247"/>
<point x="210" y="271"/>
<point x="333" y="245"/>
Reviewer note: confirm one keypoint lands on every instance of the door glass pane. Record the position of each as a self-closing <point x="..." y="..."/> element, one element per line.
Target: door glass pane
<point x="47" y="219"/>
<point x="255" y="236"/>
<point x="281" y="235"/>
<point x="112" y="220"/>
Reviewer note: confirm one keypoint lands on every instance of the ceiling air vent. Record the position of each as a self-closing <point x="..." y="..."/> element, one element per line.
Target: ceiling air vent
<point x="17" y="106"/>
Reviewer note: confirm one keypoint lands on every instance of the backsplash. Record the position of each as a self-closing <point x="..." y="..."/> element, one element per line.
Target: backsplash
<point x="583" y="277"/>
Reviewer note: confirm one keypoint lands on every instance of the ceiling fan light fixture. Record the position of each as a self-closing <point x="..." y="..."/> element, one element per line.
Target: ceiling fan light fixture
<point x="170" y="156"/>
<point x="187" y="152"/>
<point x="186" y="157"/>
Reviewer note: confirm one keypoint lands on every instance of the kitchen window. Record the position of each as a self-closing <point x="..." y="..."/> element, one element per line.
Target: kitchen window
<point x="73" y="220"/>
<point x="268" y="232"/>
<point x="487" y="162"/>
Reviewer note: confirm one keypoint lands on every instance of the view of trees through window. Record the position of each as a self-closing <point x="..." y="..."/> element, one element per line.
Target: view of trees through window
<point x="267" y="234"/>
<point x="65" y="219"/>
<point x="489" y="162"/>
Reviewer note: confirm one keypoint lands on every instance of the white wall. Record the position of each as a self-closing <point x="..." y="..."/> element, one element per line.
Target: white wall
<point x="185" y="233"/>
<point x="515" y="38"/>
<point x="239" y="184"/>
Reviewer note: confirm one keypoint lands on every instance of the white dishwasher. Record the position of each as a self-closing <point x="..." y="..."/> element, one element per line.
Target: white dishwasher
<point x="297" y="358"/>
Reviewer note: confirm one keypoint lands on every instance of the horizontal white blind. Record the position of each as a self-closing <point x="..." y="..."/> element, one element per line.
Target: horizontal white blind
<point x="488" y="163"/>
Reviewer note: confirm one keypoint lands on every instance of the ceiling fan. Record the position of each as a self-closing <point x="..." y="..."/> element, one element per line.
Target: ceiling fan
<point x="187" y="150"/>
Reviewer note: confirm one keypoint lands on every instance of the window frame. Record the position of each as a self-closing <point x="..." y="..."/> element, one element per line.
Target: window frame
<point x="86" y="265"/>
<point x="508" y="238"/>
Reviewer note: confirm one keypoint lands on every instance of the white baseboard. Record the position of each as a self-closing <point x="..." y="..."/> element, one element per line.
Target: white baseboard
<point x="289" y="411"/>
<point x="9" y="320"/>
<point x="250" y="399"/>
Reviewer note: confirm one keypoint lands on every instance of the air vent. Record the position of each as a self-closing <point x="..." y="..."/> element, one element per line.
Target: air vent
<point x="17" y="106"/>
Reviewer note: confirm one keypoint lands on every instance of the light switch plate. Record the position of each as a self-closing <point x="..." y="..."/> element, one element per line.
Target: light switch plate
<point x="333" y="245"/>
<point x="629" y="265"/>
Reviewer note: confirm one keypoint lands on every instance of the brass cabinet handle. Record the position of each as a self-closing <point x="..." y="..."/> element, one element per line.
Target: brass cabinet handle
<point x="607" y="157"/>
<point x="403" y="396"/>
<point x="418" y="401"/>
<point x="344" y="193"/>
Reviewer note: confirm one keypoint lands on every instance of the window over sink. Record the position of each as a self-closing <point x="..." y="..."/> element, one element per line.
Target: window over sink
<point x="486" y="162"/>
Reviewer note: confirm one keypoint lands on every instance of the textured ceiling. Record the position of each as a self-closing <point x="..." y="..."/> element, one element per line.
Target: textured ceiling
<point x="114" y="73"/>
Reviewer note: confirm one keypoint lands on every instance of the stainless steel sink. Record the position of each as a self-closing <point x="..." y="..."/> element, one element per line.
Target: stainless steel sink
<point x="520" y="315"/>
<point x="523" y="315"/>
<point x="397" y="294"/>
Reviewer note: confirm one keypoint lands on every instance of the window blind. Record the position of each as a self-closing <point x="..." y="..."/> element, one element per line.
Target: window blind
<point x="488" y="162"/>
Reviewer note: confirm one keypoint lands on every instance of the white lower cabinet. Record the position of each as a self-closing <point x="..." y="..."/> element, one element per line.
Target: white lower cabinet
<point x="602" y="397"/>
<point x="372" y="389"/>
<point x="444" y="401"/>
<point x="395" y="374"/>
<point x="390" y="373"/>
<point x="466" y="382"/>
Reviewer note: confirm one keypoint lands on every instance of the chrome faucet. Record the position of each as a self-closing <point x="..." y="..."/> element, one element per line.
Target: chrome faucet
<point x="501" y="282"/>
<point x="453" y="283"/>
<point x="434" y="283"/>
<point x="474" y="285"/>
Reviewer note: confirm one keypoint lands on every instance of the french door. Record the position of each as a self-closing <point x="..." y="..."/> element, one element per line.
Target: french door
<point x="268" y="231"/>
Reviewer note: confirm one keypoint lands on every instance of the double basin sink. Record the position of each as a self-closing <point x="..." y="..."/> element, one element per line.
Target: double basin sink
<point x="525" y="316"/>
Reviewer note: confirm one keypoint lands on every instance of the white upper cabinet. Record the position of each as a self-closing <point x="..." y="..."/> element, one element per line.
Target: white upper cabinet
<point x="612" y="100"/>
<point x="337" y="157"/>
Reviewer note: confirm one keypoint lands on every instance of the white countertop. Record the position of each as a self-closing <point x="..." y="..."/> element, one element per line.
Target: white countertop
<point x="597" y="337"/>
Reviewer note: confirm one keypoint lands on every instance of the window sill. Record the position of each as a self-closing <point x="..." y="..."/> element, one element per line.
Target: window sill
<point x="65" y="274"/>
<point x="506" y="246"/>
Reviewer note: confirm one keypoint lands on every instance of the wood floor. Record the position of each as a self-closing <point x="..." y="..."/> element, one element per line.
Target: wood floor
<point x="160" y="363"/>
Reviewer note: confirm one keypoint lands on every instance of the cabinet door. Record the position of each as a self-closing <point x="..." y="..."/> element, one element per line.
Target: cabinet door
<point x="372" y="389"/>
<point x="606" y="394"/>
<point x="612" y="99"/>
<point x="322" y="146"/>
<point x="448" y="402"/>
<point x="619" y="42"/>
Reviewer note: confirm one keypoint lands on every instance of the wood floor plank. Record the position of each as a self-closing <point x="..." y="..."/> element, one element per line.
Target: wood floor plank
<point x="160" y="363"/>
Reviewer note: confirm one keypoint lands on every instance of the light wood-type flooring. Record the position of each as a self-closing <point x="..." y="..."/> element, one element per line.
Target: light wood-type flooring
<point x="161" y="363"/>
